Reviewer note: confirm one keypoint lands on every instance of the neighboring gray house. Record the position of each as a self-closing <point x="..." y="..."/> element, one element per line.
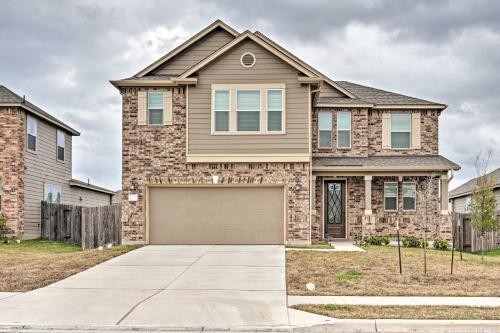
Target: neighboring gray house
<point x="36" y="165"/>
<point x="461" y="197"/>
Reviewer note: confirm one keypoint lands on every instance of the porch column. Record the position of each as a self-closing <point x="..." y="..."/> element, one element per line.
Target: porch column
<point x="368" y="195"/>
<point x="444" y="194"/>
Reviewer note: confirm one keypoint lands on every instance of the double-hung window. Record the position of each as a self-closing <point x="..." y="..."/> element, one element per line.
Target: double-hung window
<point x="390" y="196"/>
<point x="400" y="131"/>
<point x="60" y="145"/>
<point x="324" y="130"/>
<point x="274" y="110"/>
<point x="343" y="130"/>
<point x="52" y="193"/>
<point x="155" y="107"/>
<point x="409" y="195"/>
<point x="31" y="130"/>
<point x="222" y="109"/>
<point x="248" y="110"/>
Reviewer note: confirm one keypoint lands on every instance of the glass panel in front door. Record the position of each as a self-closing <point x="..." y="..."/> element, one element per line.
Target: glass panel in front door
<point x="334" y="203"/>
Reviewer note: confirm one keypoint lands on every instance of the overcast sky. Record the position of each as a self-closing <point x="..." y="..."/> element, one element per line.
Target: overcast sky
<point x="62" y="54"/>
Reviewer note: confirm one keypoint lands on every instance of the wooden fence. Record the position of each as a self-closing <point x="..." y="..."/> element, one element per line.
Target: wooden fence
<point x="89" y="227"/>
<point x="469" y="239"/>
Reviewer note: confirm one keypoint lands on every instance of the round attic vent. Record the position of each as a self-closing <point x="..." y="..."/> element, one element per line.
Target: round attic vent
<point x="248" y="60"/>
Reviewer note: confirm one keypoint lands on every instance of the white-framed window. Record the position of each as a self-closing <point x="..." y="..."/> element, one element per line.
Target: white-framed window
<point x="409" y="195"/>
<point x="401" y="130"/>
<point x="52" y="193"/>
<point x="468" y="203"/>
<point x="61" y="144"/>
<point x="248" y="110"/>
<point x="390" y="196"/>
<point x="222" y="110"/>
<point x="274" y="110"/>
<point x="31" y="133"/>
<point x="155" y="107"/>
<point x="344" y="129"/>
<point x="324" y="129"/>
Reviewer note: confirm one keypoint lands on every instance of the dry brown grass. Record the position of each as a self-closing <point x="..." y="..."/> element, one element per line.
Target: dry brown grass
<point x="35" y="264"/>
<point x="402" y="312"/>
<point x="380" y="273"/>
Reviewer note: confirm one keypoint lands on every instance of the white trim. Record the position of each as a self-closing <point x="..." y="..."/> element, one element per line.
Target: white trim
<point x="397" y="195"/>
<point x="235" y="158"/>
<point x="399" y="131"/>
<point x="214" y="130"/>
<point x="319" y="131"/>
<point x="350" y="129"/>
<point x="254" y="60"/>
<point x="148" y="108"/>
<point x="58" y="131"/>
<point x="403" y="196"/>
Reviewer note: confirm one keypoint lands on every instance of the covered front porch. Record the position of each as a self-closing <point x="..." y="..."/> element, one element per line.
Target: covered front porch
<point x="358" y="196"/>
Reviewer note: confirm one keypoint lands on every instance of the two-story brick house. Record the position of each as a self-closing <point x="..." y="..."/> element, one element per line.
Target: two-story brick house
<point x="231" y="139"/>
<point x="36" y="165"/>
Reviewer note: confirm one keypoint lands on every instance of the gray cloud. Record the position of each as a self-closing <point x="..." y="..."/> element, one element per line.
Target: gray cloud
<point x="61" y="54"/>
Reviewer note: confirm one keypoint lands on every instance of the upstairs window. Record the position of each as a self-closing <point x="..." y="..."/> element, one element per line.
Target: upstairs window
<point x="60" y="145"/>
<point x="390" y="196"/>
<point x="409" y="195"/>
<point x="274" y="110"/>
<point x="343" y="130"/>
<point x="31" y="130"/>
<point x="400" y="131"/>
<point x="222" y="108"/>
<point x="155" y="108"/>
<point x="248" y="110"/>
<point x="324" y="130"/>
<point x="52" y="193"/>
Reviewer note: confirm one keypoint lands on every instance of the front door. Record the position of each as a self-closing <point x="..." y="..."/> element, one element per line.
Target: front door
<point x="335" y="209"/>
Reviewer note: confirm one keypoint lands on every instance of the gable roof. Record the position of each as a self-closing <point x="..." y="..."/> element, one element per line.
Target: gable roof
<point x="467" y="187"/>
<point x="11" y="99"/>
<point x="186" y="44"/>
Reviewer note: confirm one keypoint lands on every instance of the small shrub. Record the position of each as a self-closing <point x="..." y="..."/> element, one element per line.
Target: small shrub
<point x="3" y="226"/>
<point x="441" y="244"/>
<point x="386" y="239"/>
<point x="351" y="274"/>
<point x="373" y="240"/>
<point x="412" y="241"/>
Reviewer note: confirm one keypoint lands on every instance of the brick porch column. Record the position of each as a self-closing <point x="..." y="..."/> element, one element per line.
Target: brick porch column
<point x="368" y="195"/>
<point x="444" y="194"/>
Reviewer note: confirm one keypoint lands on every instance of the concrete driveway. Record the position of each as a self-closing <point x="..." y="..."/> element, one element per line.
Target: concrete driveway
<point x="165" y="286"/>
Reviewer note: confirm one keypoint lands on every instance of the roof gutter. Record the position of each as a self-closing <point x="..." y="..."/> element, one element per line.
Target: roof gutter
<point x="410" y="106"/>
<point x="381" y="169"/>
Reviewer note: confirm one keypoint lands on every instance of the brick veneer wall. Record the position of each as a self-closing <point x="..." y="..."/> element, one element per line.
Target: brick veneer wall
<point x="157" y="155"/>
<point x="12" y="167"/>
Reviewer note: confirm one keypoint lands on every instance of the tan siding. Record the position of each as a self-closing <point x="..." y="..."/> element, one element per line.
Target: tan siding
<point x="459" y="203"/>
<point x="228" y="70"/>
<point x="195" y="53"/>
<point x="329" y="91"/>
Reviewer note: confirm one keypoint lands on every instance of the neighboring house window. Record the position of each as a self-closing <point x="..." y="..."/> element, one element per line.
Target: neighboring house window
<point x="52" y="193"/>
<point x="274" y="110"/>
<point x="343" y="130"/>
<point x="324" y="129"/>
<point x="155" y="107"/>
<point x="248" y="110"/>
<point x="409" y="195"/>
<point x="222" y="108"/>
<point x="31" y="129"/>
<point x="60" y="145"/>
<point x="400" y="131"/>
<point x="468" y="203"/>
<point x="390" y="196"/>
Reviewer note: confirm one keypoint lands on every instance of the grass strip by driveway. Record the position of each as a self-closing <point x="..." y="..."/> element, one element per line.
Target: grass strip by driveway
<point x="36" y="263"/>
<point x="376" y="273"/>
<point x="312" y="246"/>
<point x="403" y="312"/>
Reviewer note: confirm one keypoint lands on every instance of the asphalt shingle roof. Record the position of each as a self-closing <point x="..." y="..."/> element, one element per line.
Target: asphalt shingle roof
<point x="432" y="162"/>
<point x="468" y="186"/>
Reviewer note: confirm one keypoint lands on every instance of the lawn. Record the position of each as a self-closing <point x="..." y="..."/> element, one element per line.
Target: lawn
<point x="312" y="246"/>
<point x="376" y="273"/>
<point x="403" y="312"/>
<point x="36" y="263"/>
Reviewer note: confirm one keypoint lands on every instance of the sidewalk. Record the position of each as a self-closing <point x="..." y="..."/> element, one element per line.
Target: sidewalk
<point x="395" y="300"/>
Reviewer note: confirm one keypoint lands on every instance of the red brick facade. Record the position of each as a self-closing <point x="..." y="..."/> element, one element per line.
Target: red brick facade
<point x="12" y="143"/>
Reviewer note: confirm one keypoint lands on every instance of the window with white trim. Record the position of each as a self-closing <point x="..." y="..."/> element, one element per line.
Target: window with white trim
<point x="31" y="129"/>
<point x="390" y="196"/>
<point x="343" y="129"/>
<point x="400" y="131"/>
<point x="61" y="139"/>
<point x="222" y="110"/>
<point x="274" y="110"/>
<point x="409" y="195"/>
<point x="324" y="129"/>
<point x="155" y="107"/>
<point x="468" y="203"/>
<point x="52" y="193"/>
<point x="248" y="110"/>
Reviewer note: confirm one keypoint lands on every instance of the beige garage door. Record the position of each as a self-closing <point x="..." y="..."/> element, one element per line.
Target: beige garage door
<point x="216" y="215"/>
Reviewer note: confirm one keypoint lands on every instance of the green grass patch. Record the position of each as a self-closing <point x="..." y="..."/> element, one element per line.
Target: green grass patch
<point x="351" y="274"/>
<point x="312" y="246"/>
<point x="39" y="245"/>
<point x="491" y="253"/>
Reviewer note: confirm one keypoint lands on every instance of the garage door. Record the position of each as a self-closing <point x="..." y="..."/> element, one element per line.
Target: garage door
<point x="216" y="215"/>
